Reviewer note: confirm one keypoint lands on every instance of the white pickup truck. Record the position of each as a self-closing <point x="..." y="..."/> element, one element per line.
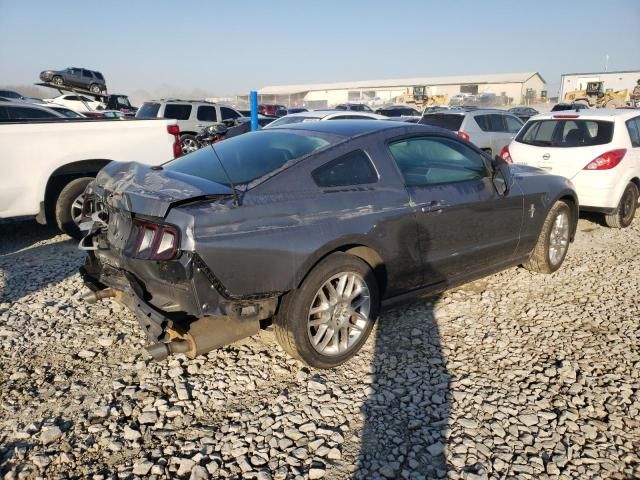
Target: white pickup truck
<point x="46" y="165"/>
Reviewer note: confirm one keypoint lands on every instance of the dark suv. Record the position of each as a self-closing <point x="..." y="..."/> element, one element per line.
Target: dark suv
<point x="76" y="77"/>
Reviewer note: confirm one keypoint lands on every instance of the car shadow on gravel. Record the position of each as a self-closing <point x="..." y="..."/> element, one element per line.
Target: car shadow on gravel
<point x="406" y="413"/>
<point x="32" y="257"/>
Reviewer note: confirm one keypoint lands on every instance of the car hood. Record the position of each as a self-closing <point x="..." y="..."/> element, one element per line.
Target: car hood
<point x="152" y="191"/>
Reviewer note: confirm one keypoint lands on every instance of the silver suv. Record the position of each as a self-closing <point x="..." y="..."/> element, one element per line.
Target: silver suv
<point x="192" y="117"/>
<point x="489" y="129"/>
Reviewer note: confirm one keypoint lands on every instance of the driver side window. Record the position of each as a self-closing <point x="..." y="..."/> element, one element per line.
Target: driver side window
<point x="436" y="160"/>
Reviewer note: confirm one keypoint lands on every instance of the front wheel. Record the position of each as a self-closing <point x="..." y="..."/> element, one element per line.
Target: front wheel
<point x="623" y="216"/>
<point x="57" y="80"/>
<point x="553" y="241"/>
<point x="326" y="321"/>
<point x="68" y="211"/>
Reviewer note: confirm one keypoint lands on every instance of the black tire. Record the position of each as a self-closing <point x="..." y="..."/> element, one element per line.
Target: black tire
<point x="626" y="211"/>
<point x="94" y="88"/>
<point x="189" y="143"/>
<point x="63" y="212"/>
<point x="57" y="80"/>
<point x="290" y="322"/>
<point x="540" y="260"/>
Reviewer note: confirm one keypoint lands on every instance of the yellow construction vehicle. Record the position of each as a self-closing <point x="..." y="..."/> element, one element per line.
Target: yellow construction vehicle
<point x="418" y="96"/>
<point x="595" y="96"/>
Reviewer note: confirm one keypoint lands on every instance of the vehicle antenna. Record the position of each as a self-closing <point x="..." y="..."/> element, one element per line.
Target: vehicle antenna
<point x="236" y="199"/>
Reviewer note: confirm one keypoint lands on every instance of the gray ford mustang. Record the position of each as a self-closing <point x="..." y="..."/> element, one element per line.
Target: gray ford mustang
<point x="311" y="229"/>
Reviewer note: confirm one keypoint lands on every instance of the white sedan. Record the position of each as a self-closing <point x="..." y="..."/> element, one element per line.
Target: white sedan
<point x="79" y="103"/>
<point x="317" y="115"/>
<point x="598" y="150"/>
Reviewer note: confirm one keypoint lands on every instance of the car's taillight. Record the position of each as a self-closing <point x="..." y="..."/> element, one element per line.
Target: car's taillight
<point x="607" y="160"/>
<point x="463" y="135"/>
<point x="505" y="154"/>
<point x="155" y="241"/>
<point x="566" y="116"/>
<point x="177" y="147"/>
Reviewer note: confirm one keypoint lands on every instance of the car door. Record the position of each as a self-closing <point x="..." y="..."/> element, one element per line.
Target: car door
<point x="464" y="225"/>
<point x="73" y="77"/>
<point x="633" y="128"/>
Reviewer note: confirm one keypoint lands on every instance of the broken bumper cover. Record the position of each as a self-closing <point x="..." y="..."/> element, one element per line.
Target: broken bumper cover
<point x="181" y="306"/>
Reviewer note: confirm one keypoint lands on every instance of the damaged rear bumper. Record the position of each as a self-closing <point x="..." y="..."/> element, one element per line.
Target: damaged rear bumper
<point x="181" y="306"/>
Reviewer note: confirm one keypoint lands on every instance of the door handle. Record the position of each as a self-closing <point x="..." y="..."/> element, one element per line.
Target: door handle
<point x="434" y="206"/>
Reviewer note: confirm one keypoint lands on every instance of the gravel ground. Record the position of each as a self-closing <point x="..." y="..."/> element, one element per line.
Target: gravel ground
<point x="514" y="376"/>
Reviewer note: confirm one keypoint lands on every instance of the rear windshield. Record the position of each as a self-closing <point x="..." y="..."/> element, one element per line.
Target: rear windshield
<point x="247" y="157"/>
<point x="290" y="119"/>
<point x="566" y="133"/>
<point x="148" y="110"/>
<point x="443" y="120"/>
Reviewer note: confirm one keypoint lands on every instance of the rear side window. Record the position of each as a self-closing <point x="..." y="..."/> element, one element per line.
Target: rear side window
<point x="443" y="120"/>
<point x="98" y="75"/>
<point x="496" y="123"/>
<point x="177" y="111"/>
<point x="483" y="122"/>
<point x="4" y="116"/>
<point x="633" y="126"/>
<point x="351" y="169"/>
<point x="207" y="113"/>
<point x="566" y="133"/>
<point x="148" y="110"/>
<point x="87" y="73"/>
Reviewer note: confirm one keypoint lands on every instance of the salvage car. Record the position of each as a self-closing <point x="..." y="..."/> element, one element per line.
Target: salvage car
<point x="313" y="227"/>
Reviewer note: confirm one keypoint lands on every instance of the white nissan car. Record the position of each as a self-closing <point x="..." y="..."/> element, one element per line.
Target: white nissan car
<point x="598" y="150"/>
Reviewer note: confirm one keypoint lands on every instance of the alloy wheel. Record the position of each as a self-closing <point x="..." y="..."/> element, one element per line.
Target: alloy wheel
<point x="339" y="314"/>
<point x="559" y="238"/>
<point x="76" y="209"/>
<point x="189" y="145"/>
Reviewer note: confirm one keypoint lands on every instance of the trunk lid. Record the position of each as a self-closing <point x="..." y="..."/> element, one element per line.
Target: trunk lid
<point x="152" y="191"/>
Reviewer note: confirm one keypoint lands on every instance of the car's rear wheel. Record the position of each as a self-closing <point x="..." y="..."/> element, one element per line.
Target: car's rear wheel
<point x="95" y="88"/>
<point x="189" y="144"/>
<point x="553" y="241"/>
<point x="68" y="210"/>
<point x="626" y="211"/>
<point x="326" y="321"/>
<point x="57" y="80"/>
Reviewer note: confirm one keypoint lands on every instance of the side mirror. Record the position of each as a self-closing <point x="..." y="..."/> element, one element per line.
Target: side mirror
<point x="501" y="177"/>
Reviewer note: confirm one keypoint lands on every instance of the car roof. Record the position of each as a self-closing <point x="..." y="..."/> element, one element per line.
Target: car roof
<point x="351" y="128"/>
<point x="326" y="113"/>
<point x="596" y="113"/>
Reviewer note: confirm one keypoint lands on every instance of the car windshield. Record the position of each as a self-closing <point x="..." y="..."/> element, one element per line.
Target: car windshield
<point x="249" y="156"/>
<point x="148" y="110"/>
<point x="444" y="120"/>
<point x="566" y="133"/>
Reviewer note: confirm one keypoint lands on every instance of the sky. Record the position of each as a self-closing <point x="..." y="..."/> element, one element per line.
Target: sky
<point x="218" y="48"/>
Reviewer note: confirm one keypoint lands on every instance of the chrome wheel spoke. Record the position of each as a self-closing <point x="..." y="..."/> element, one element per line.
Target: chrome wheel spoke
<point x="339" y="314"/>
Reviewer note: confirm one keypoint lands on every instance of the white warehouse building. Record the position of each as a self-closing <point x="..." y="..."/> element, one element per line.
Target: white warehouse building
<point x="612" y="80"/>
<point x="518" y="87"/>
